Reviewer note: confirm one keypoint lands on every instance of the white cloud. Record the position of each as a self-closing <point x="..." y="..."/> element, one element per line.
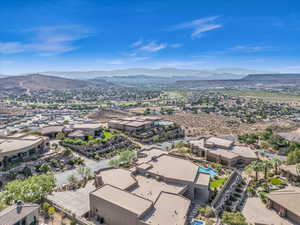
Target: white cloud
<point x="11" y="47"/>
<point x="137" y="43"/>
<point x="153" y="47"/>
<point x="251" y="49"/>
<point x="48" y="40"/>
<point x="200" y="26"/>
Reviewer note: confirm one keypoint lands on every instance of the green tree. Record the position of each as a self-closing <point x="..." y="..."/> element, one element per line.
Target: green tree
<point x="276" y="163"/>
<point x="255" y="166"/>
<point x="45" y="207"/>
<point x="127" y="156"/>
<point x="67" y="152"/>
<point x="45" y="167"/>
<point x="32" y="189"/>
<point x="60" y="136"/>
<point x="84" y="172"/>
<point x="266" y="165"/>
<point x="233" y="218"/>
<point x="293" y="157"/>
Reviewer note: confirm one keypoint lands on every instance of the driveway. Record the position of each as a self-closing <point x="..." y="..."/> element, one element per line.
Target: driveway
<point x="62" y="178"/>
<point x="256" y="211"/>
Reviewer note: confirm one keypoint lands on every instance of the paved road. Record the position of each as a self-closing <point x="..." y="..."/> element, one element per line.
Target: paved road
<point x="168" y="144"/>
<point x="62" y="178"/>
<point x="271" y="156"/>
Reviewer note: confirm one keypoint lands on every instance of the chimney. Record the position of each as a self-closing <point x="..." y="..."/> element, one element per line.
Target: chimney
<point x="19" y="206"/>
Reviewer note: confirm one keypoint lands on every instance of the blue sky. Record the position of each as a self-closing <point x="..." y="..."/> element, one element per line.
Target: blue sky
<point x="39" y="35"/>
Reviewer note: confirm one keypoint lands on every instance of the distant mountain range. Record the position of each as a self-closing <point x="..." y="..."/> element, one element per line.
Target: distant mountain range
<point x="47" y="82"/>
<point x="279" y="76"/>
<point x="214" y="74"/>
<point x="42" y="82"/>
<point x="249" y="81"/>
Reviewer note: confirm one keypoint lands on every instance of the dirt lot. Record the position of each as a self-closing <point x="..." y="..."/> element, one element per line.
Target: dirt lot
<point x="105" y="115"/>
<point x="209" y="124"/>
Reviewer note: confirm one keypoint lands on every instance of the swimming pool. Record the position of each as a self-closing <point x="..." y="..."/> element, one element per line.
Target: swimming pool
<point x="198" y="222"/>
<point x="165" y="123"/>
<point x="210" y="171"/>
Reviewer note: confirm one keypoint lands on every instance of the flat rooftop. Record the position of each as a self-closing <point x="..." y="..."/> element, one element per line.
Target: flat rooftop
<point x="203" y="179"/>
<point x="169" y="209"/>
<point x="219" y="141"/>
<point x="138" y="123"/>
<point x="123" y="199"/>
<point x="52" y="129"/>
<point x="15" y="145"/>
<point x="150" y="188"/>
<point x="228" y="154"/>
<point x="146" y="156"/>
<point x="175" y="168"/>
<point x="120" y="178"/>
<point x="87" y="126"/>
<point x="245" y="152"/>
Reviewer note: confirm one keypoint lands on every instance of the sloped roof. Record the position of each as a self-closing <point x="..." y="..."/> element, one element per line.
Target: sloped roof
<point x="12" y="215"/>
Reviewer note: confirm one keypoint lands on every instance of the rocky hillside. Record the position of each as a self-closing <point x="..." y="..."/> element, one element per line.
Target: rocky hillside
<point x="42" y="82"/>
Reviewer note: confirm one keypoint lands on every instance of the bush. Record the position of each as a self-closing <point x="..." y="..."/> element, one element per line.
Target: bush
<point x="216" y="166"/>
<point x="45" y="207"/>
<point x="206" y="212"/>
<point x="232" y="218"/>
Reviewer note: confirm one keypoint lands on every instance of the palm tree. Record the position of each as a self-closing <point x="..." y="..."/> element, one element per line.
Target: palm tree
<point x="266" y="165"/>
<point x="256" y="166"/>
<point x="276" y="163"/>
<point x="84" y="172"/>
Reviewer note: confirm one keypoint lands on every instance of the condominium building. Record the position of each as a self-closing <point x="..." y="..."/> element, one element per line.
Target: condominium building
<point x="223" y="151"/>
<point x="159" y="190"/>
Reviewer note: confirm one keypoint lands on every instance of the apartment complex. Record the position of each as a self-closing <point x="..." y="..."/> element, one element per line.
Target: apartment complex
<point x="159" y="190"/>
<point x="133" y="124"/>
<point x="222" y="151"/>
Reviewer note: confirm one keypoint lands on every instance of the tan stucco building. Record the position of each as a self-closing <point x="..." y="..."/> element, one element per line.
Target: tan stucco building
<point x="21" y="146"/>
<point x="286" y="204"/>
<point x="159" y="190"/>
<point x="222" y="151"/>
<point x="20" y="214"/>
<point x="132" y="124"/>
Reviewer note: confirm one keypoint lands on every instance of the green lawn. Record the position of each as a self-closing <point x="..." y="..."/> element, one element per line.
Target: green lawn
<point x="275" y="181"/>
<point x="217" y="183"/>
